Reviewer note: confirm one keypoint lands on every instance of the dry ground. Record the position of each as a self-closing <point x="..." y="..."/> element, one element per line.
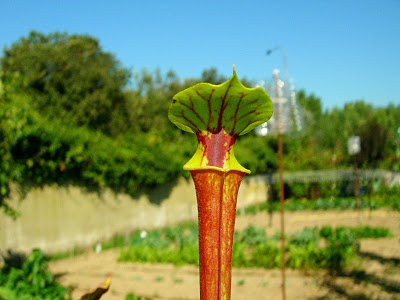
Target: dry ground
<point x="375" y="276"/>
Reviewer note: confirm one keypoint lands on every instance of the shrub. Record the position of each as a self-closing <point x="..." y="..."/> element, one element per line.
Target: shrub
<point x="31" y="280"/>
<point x="340" y="248"/>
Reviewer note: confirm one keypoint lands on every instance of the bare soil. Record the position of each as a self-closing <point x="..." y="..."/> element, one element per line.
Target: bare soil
<point x="376" y="275"/>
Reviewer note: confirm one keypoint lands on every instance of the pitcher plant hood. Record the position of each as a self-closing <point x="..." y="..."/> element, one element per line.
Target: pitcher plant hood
<point x="218" y="114"/>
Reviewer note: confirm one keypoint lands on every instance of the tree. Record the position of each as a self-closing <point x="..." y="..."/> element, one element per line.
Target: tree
<point x="150" y="99"/>
<point x="374" y="141"/>
<point x="311" y="107"/>
<point x="211" y="75"/>
<point x="70" y="77"/>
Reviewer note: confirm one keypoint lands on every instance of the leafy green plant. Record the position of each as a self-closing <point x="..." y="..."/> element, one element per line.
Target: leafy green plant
<point x="28" y="278"/>
<point x="388" y="197"/>
<point x="305" y="237"/>
<point x="367" y="232"/>
<point x="321" y="204"/>
<point x="251" y="236"/>
<point x="31" y="280"/>
<point x="176" y="245"/>
<point x="340" y="248"/>
<point x="311" y="248"/>
<point x="131" y="296"/>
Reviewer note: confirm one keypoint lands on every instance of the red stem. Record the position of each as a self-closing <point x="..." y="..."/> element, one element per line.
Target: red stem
<point x="216" y="197"/>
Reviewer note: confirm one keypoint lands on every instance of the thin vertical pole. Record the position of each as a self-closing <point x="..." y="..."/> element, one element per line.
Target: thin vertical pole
<point x="356" y="185"/>
<point x="270" y="197"/>
<point x="281" y="188"/>
<point x="282" y="212"/>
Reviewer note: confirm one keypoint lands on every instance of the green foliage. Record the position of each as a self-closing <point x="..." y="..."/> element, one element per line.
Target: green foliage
<point x="257" y="154"/>
<point x="63" y="154"/>
<point x="131" y="296"/>
<point x="251" y="236"/>
<point x="32" y="280"/>
<point x="69" y="77"/>
<point x="312" y="248"/>
<point x="36" y="151"/>
<point x="265" y="255"/>
<point x="176" y="245"/>
<point x="15" y="117"/>
<point x="388" y="196"/>
<point x="69" y="114"/>
<point x="340" y="248"/>
<point x="381" y="200"/>
<point x="374" y="137"/>
<point x="361" y="232"/>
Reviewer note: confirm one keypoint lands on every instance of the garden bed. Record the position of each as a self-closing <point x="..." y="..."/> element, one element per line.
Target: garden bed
<point x="376" y="275"/>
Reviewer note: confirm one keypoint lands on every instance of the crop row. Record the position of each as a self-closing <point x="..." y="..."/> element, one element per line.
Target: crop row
<point x="312" y="248"/>
<point x="333" y="203"/>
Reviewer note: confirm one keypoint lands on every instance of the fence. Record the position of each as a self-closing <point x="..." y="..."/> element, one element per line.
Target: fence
<point x="388" y="177"/>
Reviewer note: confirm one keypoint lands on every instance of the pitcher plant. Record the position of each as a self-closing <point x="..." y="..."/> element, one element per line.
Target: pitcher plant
<point x="218" y="115"/>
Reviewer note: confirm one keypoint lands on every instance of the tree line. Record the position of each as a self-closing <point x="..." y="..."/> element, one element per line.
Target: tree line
<point x="71" y="113"/>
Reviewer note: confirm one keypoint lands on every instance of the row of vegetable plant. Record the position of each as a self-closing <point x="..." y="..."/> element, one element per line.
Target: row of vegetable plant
<point x="311" y="248"/>
<point x="29" y="277"/>
<point x="332" y="203"/>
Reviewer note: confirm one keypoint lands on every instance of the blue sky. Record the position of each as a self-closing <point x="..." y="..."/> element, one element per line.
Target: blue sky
<point x="340" y="50"/>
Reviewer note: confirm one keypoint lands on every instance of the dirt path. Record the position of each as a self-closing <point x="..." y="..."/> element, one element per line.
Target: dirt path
<point x="169" y="282"/>
<point x="380" y="278"/>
